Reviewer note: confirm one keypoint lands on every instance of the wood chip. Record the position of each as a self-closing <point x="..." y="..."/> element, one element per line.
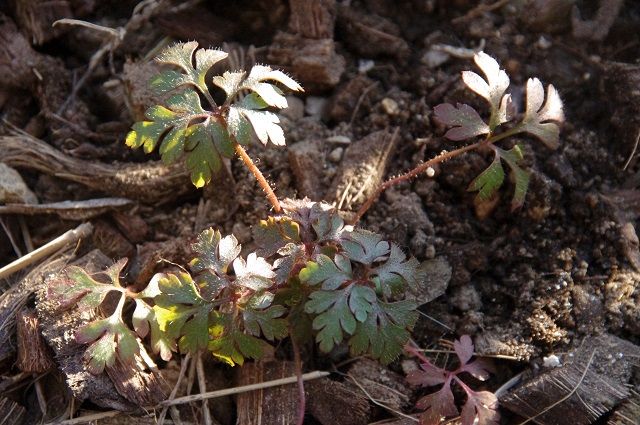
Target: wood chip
<point x="33" y="353"/>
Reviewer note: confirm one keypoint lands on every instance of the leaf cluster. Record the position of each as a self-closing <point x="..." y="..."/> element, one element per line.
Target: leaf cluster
<point x="479" y="407"/>
<point x="540" y="119"/>
<point x="191" y="124"/>
<point x="312" y="276"/>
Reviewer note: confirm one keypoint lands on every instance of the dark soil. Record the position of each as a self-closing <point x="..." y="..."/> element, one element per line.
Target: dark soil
<point x="524" y="284"/>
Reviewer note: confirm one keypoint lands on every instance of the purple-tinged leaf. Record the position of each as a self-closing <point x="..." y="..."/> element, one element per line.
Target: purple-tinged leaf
<point x="540" y="120"/>
<point x="428" y="376"/>
<point x="479" y="369"/>
<point x="464" y="349"/>
<point x="482" y="406"/>
<point x="438" y="405"/>
<point x="465" y="120"/>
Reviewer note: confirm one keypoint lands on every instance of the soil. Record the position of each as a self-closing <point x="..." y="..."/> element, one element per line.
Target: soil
<point x="524" y="284"/>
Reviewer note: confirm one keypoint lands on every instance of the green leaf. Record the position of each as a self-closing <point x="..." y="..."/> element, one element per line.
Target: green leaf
<point x="109" y="340"/>
<point x="327" y="223"/>
<point x="489" y="181"/>
<point x="264" y="123"/>
<point x="385" y="331"/>
<point x="338" y="311"/>
<point x="364" y="246"/>
<point x="398" y="272"/>
<point x="144" y="320"/>
<point x="266" y="322"/>
<point x="521" y="177"/>
<point x="268" y="92"/>
<point x="255" y="273"/>
<point x="232" y="346"/>
<point x="215" y="253"/>
<point x="291" y="255"/>
<point x="75" y="287"/>
<point x="331" y="273"/>
<point x="275" y="233"/>
<point x="182" y="56"/>
<point x="182" y="313"/>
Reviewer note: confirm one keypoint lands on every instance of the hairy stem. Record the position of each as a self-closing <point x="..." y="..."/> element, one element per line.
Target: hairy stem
<point x="489" y="140"/>
<point x="301" y="395"/>
<point x="262" y="181"/>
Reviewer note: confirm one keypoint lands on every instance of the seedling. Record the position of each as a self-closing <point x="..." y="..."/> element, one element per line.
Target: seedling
<point x="480" y="405"/>
<point x="312" y="275"/>
<point x="538" y="120"/>
<point x="193" y="125"/>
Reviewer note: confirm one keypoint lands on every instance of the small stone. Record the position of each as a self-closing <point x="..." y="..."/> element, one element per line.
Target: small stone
<point x="543" y="43"/>
<point x="339" y="140"/>
<point x="336" y="155"/>
<point x="434" y="58"/>
<point x="316" y="106"/>
<point x="13" y="190"/>
<point x="390" y="106"/>
<point x="365" y="65"/>
<point x="551" y="361"/>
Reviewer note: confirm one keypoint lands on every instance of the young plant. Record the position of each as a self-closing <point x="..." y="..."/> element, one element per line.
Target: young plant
<point x="311" y="275"/>
<point x="540" y="119"/>
<point x="193" y="125"/>
<point x="480" y="406"/>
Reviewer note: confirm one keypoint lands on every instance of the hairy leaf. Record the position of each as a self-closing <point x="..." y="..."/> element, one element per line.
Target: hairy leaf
<point x="109" y="339"/>
<point x="489" y="181"/>
<point x="267" y="322"/>
<point x="255" y="273"/>
<point x="215" y="252"/>
<point x="331" y="273"/>
<point x="521" y="177"/>
<point x="492" y="89"/>
<point x="292" y="254"/>
<point x="144" y="320"/>
<point x="76" y="287"/>
<point x="398" y="272"/>
<point x="327" y="223"/>
<point x="338" y="311"/>
<point x="275" y="233"/>
<point x="182" y="313"/>
<point x="465" y="120"/>
<point x="231" y="345"/>
<point x="182" y="56"/>
<point x="541" y="120"/>
<point x="364" y="246"/>
<point x="384" y="332"/>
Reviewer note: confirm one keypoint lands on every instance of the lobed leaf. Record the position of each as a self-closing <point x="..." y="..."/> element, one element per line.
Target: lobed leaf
<point x="182" y="56"/>
<point x="466" y="121"/>
<point x="521" y="177"/>
<point x="331" y="273"/>
<point x="215" y="253"/>
<point x="327" y="223"/>
<point x="492" y="89"/>
<point x="268" y="92"/>
<point x="266" y="322"/>
<point x="480" y="408"/>
<point x="438" y="405"/>
<point x="232" y="346"/>
<point x="398" y="272"/>
<point x="364" y="246"/>
<point x="256" y="273"/>
<point x="144" y="320"/>
<point x="274" y="234"/>
<point x="182" y="313"/>
<point x="541" y="120"/>
<point x="489" y="181"/>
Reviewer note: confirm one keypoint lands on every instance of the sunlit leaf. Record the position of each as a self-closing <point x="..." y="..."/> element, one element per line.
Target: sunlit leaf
<point x="465" y="120"/>
<point x="214" y="252"/>
<point x="539" y="120"/>
<point x="489" y="181"/>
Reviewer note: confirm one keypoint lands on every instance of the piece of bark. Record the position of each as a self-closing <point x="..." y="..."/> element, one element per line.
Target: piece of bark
<point x="11" y="413"/>
<point x="147" y="260"/>
<point x="381" y="383"/>
<point x="133" y="227"/>
<point x="110" y="241"/>
<point x="312" y="19"/>
<point x="70" y="210"/>
<point x="33" y="353"/>
<point x="362" y="170"/>
<point x="36" y="18"/>
<point x="594" y="378"/>
<point x="313" y="62"/>
<point x="152" y="182"/>
<point x="128" y="386"/>
<point x="370" y="35"/>
<point x="334" y="403"/>
<point x="270" y="405"/>
<point x="306" y="160"/>
<point x="627" y="413"/>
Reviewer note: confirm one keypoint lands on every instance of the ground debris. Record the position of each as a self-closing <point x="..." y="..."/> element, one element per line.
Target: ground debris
<point x="13" y="188"/>
<point x="33" y="354"/>
<point x="11" y="413"/>
<point x="36" y="17"/>
<point x="590" y="383"/>
<point x="70" y="210"/>
<point x="335" y="403"/>
<point x="381" y="383"/>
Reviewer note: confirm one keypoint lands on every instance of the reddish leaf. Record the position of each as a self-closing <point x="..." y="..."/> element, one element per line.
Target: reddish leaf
<point x="481" y="405"/>
<point x="429" y="375"/>
<point x="464" y="349"/>
<point x="437" y="405"/>
<point x="465" y="120"/>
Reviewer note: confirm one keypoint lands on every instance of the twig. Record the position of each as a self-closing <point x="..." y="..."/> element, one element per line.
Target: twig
<point x="633" y="152"/>
<point x="202" y="386"/>
<point x="376" y="402"/>
<point x="67" y="238"/>
<point x="479" y="10"/>
<point x="571" y="393"/>
<point x="245" y="388"/>
<point x="89" y="418"/>
<point x="174" y="391"/>
<point x="433" y="319"/>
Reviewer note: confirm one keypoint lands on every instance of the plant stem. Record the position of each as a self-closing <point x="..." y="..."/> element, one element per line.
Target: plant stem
<point x="301" y="395"/>
<point x="262" y="181"/>
<point x="413" y="173"/>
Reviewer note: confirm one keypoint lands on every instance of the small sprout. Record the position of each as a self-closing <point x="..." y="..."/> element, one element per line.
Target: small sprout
<point x="480" y="406"/>
<point x="539" y="120"/>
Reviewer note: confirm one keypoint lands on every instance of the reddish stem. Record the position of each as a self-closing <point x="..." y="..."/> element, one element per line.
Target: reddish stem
<point x="262" y="181"/>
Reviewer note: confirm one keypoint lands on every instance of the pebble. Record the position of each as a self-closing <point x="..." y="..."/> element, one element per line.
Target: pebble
<point x="390" y="106"/>
<point x="315" y="106"/>
<point x="336" y="155"/>
<point x="339" y="140"/>
<point x="13" y="189"/>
